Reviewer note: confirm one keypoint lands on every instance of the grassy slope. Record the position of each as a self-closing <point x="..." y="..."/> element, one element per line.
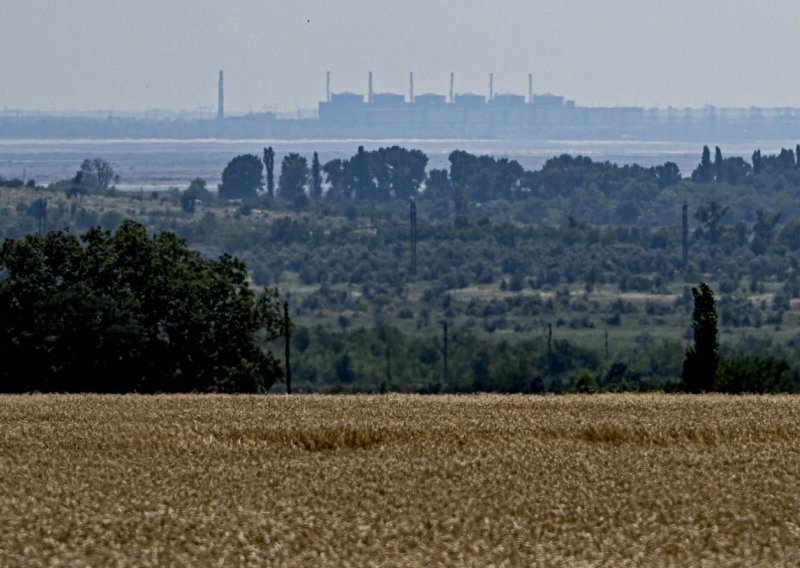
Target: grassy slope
<point x="399" y="480"/>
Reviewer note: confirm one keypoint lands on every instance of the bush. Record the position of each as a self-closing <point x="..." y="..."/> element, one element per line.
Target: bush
<point x="753" y="374"/>
<point x="585" y="382"/>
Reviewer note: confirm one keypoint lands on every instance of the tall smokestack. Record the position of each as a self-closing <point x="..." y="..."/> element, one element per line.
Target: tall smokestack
<point x="328" y="86"/>
<point x="221" y="98"/>
<point x="530" y="87"/>
<point x="369" y="88"/>
<point x="452" y="81"/>
<point x="491" y="86"/>
<point x="411" y="86"/>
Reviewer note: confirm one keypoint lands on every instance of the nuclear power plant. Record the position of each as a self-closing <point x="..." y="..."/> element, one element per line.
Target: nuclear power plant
<point x="459" y="115"/>
<point x="468" y="115"/>
<point x="378" y="114"/>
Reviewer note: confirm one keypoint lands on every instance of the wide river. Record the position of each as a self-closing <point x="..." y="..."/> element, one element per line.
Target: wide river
<point x="159" y="164"/>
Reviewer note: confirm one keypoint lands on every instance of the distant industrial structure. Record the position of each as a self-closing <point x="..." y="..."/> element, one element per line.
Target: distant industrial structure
<point x="387" y="115"/>
<point x="537" y="116"/>
<point x="221" y="97"/>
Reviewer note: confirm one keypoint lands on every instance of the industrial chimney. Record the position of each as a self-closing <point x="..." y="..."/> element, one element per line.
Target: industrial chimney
<point x="452" y="81"/>
<point x="530" y="88"/>
<point x="369" y="89"/>
<point x="491" y="86"/>
<point x="411" y="86"/>
<point x="328" y="86"/>
<point x="221" y="98"/>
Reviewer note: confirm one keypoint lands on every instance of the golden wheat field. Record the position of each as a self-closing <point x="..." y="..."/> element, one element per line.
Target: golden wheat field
<point x="611" y="480"/>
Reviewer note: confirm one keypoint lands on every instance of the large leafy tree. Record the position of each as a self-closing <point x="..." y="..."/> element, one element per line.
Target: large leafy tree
<point x="294" y="176"/>
<point x="242" y="178"/>
<point x="123" y="312"/>
<point x="485" y="178"/>
<point x="398" y="171"/>
<point x="97" y="174"/>
<point x="377" y="175"/>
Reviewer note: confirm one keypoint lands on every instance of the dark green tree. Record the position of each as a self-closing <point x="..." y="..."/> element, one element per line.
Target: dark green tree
<point x="316" y="178"/>
<point x="242" y="178"/>
<point x="668" y="174"/>
<point x="764" y="226"/>
<point x="341" y="180"/>
<point x="704" y="172"/>
<point x="754" y="374"/>
<point x="362" y="181"/>
<point x="294" y="176"/>
<point x="269" y="164"/>
<point x="758" y="162"/>
<point x="195" y="192"/>
<point x="711" y="215"/>
<point x="437" y="184"/>
<point x="702" y="359"/>
<point x="719" y="165"/>
<point x="95" y="174"/>
<point x="124" y="312"/>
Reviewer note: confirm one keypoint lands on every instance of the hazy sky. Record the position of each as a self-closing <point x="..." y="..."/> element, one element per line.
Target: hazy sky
<point x="143" y="54"/>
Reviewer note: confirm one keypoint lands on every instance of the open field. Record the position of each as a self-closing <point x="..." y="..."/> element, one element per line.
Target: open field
<point x="399" y="480"/>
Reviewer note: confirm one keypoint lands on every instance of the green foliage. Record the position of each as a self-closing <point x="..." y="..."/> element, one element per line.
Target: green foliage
<point x="316" y="178"/>
<point x="753" y="374"/>
<point x="790" y="234"/>
<point x="95" y="175"/>
<point x="269" y="165"/>
<point x="711" y="216"/>
<point x="585" y="382"/>
<point x="196" y="192"/>
<point x="242" y="178"/>
<point x="704" y="173"/>
<point x="484" y="177"/>
<point x="381" y="175"/>
<point x="123" y="312"/>
<point x="702" y="359"/>
<point x="294" y="176"/>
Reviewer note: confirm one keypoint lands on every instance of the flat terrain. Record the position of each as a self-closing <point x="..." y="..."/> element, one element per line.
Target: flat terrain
<point x="399" y="480"/>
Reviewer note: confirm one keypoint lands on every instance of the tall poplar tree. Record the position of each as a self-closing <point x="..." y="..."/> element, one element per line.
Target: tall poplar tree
<point x="269" y="164"/>
<point x="702" y="359"/>
<point x="316" y="178"/>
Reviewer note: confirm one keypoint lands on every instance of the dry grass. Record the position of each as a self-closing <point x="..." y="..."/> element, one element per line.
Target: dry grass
<point x="399" y="480"/>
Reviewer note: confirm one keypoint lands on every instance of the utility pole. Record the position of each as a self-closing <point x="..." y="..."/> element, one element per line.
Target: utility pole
<point x="221" y="97"/>
<point x="388" y="366"/>
<point x="606" y="343"/>
<point x="549" y="339"/>
<point x="42" y="214"/>
<point x="413" y="237"/>
<point x="444" y="327"/>
<point x="685" y="234"/>
<point x="287" y="336"/>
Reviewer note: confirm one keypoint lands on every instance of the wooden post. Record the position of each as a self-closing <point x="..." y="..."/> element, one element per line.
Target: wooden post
<point x="413" y="214"/>
<point x="444" y="325"/>
<point x="287" y="336"/>
<point x="685" y="234"/>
